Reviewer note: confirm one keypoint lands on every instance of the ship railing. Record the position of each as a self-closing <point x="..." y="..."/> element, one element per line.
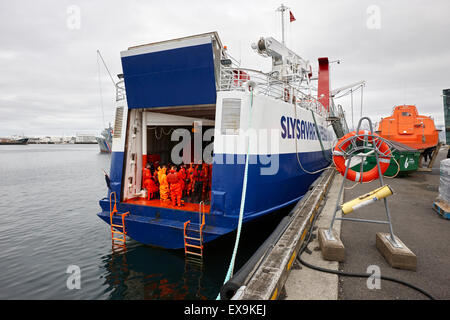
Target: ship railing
<point x="337" y="117"/>
<point x="120" y="90"/>
<point x="234" y="62"/>
<point x="237" y="79"/>
<point x="341" y="115"/>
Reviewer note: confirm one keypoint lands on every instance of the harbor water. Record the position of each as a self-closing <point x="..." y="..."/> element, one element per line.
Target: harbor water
<point x="48" y="202"/>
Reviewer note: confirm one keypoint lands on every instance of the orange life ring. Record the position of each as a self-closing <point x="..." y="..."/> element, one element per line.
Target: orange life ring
<point x="339" y="160"/>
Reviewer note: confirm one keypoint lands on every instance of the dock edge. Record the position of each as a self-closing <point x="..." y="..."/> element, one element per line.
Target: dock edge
<point x="267" y="281"/>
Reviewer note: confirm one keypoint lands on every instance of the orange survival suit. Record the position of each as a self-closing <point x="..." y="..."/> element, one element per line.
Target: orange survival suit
<point x="182" y="177"/>
<point x="176" y="187"/>
<point x="190" y="177"/>
<point x="163" y="184"/>
<point x="149" y="183"/>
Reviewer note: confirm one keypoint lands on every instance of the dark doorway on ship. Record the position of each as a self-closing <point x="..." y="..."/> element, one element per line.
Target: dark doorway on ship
<point x="181" y="177"/>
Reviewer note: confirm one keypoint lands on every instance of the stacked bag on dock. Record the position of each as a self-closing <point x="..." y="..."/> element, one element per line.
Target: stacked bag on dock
<point x="444" y="183"/>
<point x="442" y="203"/>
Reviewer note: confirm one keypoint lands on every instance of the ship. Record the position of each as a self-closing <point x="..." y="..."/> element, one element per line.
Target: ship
<point x="7" y="141"/>
<point x="408" y="127"/>
<point x="105" y="141"/>
<point x="405" y="160"/>
<point x="411" y="135"/>
<point x="278" y="123"/>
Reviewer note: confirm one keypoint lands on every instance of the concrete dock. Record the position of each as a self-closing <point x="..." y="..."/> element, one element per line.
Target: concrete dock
<point x="278" y="274"/>
<point x="307" y="284"/>
<point x="414" y="222"/>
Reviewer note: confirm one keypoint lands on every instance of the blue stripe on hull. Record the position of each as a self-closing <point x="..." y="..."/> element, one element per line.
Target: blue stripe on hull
<point x="266" y="193"/>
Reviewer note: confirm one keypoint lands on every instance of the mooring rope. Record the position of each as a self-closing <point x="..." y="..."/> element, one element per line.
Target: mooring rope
<point x="243" y="196"/>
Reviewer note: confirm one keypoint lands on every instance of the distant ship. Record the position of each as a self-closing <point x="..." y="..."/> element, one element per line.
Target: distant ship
<point x="105" y="141"/>
<point x="13" y="141"/>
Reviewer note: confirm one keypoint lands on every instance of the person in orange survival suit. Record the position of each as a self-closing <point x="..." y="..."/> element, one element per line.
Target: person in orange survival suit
<point x="175" y="187"/>
<point x="156" y="175"/>
<point x="205" y="178"/>
<point x="190" y="178"/>
<point x="195" y="181"/>
<point x="207" y="168"/>
<point x="182" y="176"/>
<point x="199" y="179"/>
<point x="210" y="175"/>
<point x="148" y="182"/>
<point x="163" y="184"/>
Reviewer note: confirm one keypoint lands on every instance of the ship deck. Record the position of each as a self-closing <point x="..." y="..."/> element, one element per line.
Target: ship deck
<point x="188" y="206"/>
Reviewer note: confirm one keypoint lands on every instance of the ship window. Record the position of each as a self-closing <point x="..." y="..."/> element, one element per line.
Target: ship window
<point x="406" y="114"/>
<point x="231" y="116"/>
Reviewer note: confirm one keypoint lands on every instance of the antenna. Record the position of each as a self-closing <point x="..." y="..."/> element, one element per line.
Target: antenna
<point x="106" y="67"/>
<point x="282" y="9"/>
<point x="100" y="88"/>
<point x="351" y="95"/>
<point x="99" y="55"/>
<point x="362" y="91"/>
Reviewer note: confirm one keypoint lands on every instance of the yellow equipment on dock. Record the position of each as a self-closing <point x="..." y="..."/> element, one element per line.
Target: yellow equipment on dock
<point x="366" y="199"/>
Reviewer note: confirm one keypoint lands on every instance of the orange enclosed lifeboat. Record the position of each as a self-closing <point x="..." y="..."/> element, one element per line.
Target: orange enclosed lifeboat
<point x="408" y="127"/>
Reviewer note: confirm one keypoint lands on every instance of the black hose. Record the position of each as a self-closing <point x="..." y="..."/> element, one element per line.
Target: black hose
<point x="349" y="274"/>
<point x="363" y="275"/>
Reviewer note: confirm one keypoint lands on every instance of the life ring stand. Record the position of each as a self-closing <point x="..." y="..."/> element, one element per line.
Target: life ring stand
<point x="381" y="147"/>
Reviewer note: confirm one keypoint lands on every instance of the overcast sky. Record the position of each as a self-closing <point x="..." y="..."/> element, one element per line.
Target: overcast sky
<point x="49" y="76"/>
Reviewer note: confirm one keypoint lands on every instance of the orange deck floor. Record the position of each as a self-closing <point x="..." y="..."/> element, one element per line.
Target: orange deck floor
<point x="167" y="204"/>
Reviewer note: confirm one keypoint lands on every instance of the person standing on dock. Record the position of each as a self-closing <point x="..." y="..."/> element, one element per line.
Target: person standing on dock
<point x="428" y="153"/>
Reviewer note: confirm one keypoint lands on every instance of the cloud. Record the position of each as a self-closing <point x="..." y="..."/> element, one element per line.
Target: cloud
<point x="49" y="72"/>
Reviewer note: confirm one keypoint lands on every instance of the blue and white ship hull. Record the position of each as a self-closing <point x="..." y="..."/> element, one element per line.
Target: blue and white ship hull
<point x="287" y="144"/>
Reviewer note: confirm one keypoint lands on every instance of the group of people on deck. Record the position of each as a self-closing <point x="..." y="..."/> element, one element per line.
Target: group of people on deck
<point x="172" y="183"/>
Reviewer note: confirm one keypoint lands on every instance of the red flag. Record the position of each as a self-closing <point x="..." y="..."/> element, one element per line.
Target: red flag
<point x="291" y="16"/>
